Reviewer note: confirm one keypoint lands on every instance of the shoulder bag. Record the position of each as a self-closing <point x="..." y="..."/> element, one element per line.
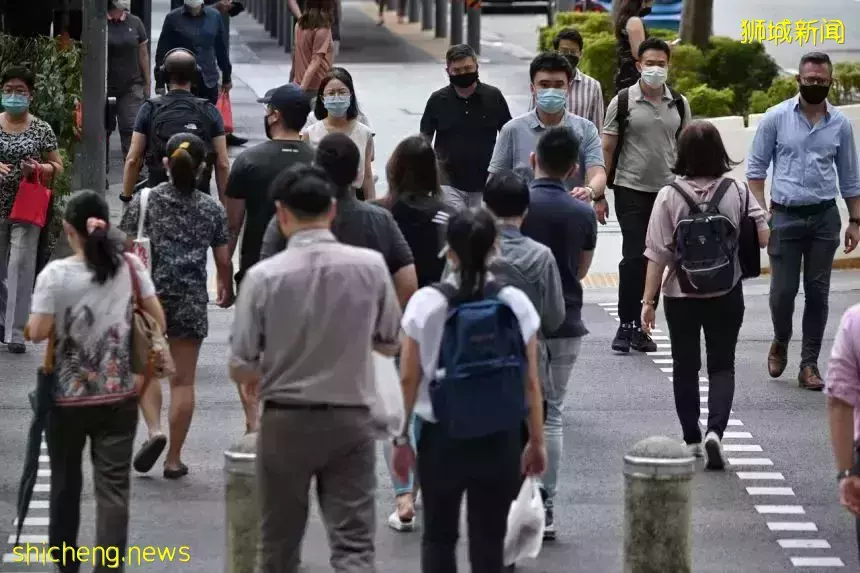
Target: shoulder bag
<point x="150" y="353"/>
<point x="749" y="252"/>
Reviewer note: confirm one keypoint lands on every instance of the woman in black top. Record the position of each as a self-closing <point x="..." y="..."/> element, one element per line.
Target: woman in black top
<point x="630" y="32"/>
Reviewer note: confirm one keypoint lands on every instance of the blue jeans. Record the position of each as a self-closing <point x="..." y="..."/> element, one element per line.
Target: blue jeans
<point x="558" y="355"/>
<point x="402" y="488"/>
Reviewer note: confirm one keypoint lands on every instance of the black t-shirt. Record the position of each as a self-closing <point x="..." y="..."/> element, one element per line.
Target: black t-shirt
<point x="250" y="177"/>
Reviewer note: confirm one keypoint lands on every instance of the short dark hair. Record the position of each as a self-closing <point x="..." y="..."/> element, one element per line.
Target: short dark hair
<point x="550" y="62"/>
<point x="569" y="34"/>
<point x="336" y="74"/>
<point x="412" y="168"/>
<point x="19" y="73"/>
<point x="557" y="151"/>
<point x="339" y="157"/>
<point x="507" y="195"/>
<point x="816" y="58"/>
<point x="655" y="44"/>
<point x="701" y="152"/>
<point x="306" y="191"/>
<point x="459" y="52"/>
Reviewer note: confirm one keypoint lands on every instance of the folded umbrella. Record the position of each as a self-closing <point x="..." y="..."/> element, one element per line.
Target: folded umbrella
<point x="41" y="400"/>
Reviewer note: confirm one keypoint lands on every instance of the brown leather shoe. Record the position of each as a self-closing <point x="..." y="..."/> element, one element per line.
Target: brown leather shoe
<point x="777" y="359"/>
<point x="810" y="379"/>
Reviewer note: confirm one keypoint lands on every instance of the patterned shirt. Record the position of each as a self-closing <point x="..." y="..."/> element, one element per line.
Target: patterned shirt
<point x="93" y="329"/>
<point x="33" y="143"/>
<point x="182" y="227"/>
<point x="585" y="99"/>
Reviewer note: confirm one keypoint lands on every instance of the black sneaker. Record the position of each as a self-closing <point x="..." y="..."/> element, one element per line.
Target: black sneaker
<point x="621" y="342"/>
<point x="641" y="341"/>
<point x="549" y="521"/>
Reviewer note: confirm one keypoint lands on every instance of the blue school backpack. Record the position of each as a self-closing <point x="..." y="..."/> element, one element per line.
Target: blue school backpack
<point x="478" y="388"/>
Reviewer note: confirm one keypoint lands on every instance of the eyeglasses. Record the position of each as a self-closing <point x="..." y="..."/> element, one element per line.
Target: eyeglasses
<point x="343" y="93"/>
<point x="16" y="91"/>
<point x="815" y="81"/>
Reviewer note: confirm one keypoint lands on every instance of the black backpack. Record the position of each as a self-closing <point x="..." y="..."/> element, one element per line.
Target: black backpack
<point x="623" y="117"/>
<point x="172" y="114"/>
<point x="706" y="245"/>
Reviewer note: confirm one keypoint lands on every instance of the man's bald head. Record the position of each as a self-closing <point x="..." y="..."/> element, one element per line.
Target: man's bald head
<point x="180" y="67"/>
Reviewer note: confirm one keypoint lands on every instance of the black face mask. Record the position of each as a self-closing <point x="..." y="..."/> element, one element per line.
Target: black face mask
<point x="644" y="11"/>
<point x="814" y="94"/>
<point x="572" y="59"/>
<point x="463" y="80"/>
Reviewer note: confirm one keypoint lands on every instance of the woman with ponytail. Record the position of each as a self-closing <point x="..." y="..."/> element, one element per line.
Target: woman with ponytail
<point x="85" y="303"/>
<point x="488" y="465"/>
<point x="182" y="224"/>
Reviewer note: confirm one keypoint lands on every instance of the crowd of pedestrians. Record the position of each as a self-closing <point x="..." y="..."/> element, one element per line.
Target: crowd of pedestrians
<point x="469" y="269"/>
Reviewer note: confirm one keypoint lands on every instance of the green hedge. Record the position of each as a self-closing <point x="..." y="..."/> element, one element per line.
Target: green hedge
<point x="58" y="88"/>
<point x="729" y="78"/>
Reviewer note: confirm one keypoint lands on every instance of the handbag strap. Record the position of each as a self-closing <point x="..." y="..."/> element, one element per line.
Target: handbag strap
<point x="144" y="203"/>
<point x="50" y="358"/>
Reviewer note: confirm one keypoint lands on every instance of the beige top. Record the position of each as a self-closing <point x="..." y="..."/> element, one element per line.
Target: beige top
<point x="670" y="207"/>
<point x="358" y="132"/>
<point x="310" y="43"/>
<point x="307" y="318"/>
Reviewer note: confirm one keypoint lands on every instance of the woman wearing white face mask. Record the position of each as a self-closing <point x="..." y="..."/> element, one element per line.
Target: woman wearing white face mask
<point x="128" y="69"/>
<point x="337" y="111"/>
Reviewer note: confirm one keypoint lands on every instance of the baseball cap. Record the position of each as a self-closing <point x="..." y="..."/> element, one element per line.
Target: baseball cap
<point x="286" y="96"/>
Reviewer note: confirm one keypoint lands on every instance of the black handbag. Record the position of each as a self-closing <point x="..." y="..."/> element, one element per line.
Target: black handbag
<point x="749" y="252"/>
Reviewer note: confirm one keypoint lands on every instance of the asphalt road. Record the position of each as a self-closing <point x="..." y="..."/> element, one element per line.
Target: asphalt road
<point x="614" y="402"/>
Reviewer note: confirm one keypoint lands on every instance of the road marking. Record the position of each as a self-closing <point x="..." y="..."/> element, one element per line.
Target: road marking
<point x="43" y="473"/>
<point x="741" y="448"/>
<point x="659" y="338"/>
<point x="750" y="462"/>
<point x="663" y="345"/>
<point x="29" y="539"/>
<point x="665" y="370"/>
<point x="607" y="303"/>
<point x="660" y="353"/>
<point x="44" y="446"/>
<point x="791" y="526"/>
<point x="780" y="509"/>
<point x="42" y="488"/>
<point x="817" y="562"/>
<point x="770" y="491"/>
<point x="44" y="459"/>
<point x="39" y="504"/>
<point x="33" y="521"/>
<point x="703" y="399"/>
<point x="737" y="435"/>
<point x="804" y="543"/>
<point x="663" y="361"/>
<point x="704" y="389"/>
<point x="761" y="475"/>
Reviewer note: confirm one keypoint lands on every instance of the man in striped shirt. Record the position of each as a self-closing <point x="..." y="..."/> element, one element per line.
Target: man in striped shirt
<point x="585" y="97"/>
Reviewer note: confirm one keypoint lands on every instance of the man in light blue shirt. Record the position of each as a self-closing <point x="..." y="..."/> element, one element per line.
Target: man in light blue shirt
<point x="811" y="146"/>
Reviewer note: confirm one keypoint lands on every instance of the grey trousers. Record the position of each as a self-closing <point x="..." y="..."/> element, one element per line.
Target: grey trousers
<point x="127" y="106"/>
<point x="459" y="200"/>
<point x="18" y="245"/>
<point x="807" y="243"/>
<point x="335" y="446"/>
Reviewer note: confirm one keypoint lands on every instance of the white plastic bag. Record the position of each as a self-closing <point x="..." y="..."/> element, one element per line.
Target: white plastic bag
<point x="142" y="246"/>
<point x="388" y="411"/>
<point x="525" y="524"/>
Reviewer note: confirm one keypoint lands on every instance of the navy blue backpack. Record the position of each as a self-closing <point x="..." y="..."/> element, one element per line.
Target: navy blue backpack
<point x="478" y="389"/>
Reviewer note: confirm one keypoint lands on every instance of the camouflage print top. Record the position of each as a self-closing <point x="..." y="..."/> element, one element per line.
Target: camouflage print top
<point x="181" y="228"/>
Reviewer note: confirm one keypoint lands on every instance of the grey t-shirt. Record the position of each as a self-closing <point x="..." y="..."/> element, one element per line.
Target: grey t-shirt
<point x="124" y="40"/>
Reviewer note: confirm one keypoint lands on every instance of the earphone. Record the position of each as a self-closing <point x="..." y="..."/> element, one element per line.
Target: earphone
<point x="163" y="68"/>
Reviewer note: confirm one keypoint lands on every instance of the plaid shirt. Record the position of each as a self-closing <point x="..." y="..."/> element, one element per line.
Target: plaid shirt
<point x="585" y="99"/>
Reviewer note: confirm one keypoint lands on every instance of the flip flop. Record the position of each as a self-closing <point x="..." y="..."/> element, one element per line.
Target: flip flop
<point x="179" y="472"/>
<point x="149" y="453"/>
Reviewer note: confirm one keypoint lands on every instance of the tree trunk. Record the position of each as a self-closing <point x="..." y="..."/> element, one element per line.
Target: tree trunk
<point x="697" y="22"/>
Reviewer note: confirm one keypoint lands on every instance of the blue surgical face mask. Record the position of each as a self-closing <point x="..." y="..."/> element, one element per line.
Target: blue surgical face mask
<point x="336" y="105"/>
<point x="551" y="100"/>
<point x="15" y="104"/>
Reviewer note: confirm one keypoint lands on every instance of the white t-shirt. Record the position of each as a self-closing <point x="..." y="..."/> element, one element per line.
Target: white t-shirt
<point x="93" y="329"/>
<point x="424" y="322"/>
<point x="360" y="134"/>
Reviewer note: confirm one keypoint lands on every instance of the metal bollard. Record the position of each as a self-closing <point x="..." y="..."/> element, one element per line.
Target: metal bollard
<point x="457" y="13"/>
<point x="282" y="21"/>
<point x="414" y="11"/>
<point x="441" y="18"/>
<point x="243" y="511"/>
<point x="658" y="507"/>
<point x="273" y="18"/>
<point x="473" y="25"/>
<point x="426" y="14"/>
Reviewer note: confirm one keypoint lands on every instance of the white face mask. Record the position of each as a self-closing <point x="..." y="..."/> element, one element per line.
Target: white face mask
<point x="654" y="76"/>
<point x="194" y="3"/>
<point x="122" y="4"/>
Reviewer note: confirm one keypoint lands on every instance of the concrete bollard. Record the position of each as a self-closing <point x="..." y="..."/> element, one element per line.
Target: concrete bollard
<point x="243" y="511"/>
<point x="658" y="507"/>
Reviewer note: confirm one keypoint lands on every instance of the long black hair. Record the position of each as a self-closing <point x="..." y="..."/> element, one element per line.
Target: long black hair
<point x="471" y="235"/>
<point x="88" y="213"/>
<point x="185" y="153"/>
<point x="413" y="169"/>
<point x="628" y="9"/>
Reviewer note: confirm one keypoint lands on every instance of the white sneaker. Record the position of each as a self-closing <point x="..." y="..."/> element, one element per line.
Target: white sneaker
<point x="695" y="450"/>
<point x="714" y="459"/>
<point x="397" y="524"/>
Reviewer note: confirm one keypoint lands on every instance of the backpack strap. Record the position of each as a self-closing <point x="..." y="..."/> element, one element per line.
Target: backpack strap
<point x="492" y="289"/>
<point x="687" y="198"/>
<point x="448" y="290"/>
<point x="682" y="110"/>
<point x="622" y="115"/>
<point x="714" y="203"/>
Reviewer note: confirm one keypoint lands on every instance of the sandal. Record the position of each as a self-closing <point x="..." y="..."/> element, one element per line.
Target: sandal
<point x="149" y="453"/>
<point x="177" y="473"/>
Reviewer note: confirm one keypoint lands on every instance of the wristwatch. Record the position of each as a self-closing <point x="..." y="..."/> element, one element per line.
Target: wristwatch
<point x="593" y="198"/>
<point x="842" y="475"/>
<point x="400" y="441"/>
<point x="854" y="220"/>
<point x="648" y="303"/>
<point x="125" y="198"/>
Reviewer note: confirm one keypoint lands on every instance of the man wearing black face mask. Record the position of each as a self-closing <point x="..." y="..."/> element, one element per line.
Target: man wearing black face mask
<point x="585" y="97"/>
<point x="465" y="117"/>
<point x="811" y="146"/>
<point x="287" y="109"/>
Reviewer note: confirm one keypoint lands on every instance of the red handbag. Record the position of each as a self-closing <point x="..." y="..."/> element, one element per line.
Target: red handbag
<point x="31" y="202"/>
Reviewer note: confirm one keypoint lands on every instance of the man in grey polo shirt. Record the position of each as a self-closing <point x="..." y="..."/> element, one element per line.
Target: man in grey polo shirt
<point x="306" y="321"/>
<point x="640" y="151"/>
<point x="551" y="77"/>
